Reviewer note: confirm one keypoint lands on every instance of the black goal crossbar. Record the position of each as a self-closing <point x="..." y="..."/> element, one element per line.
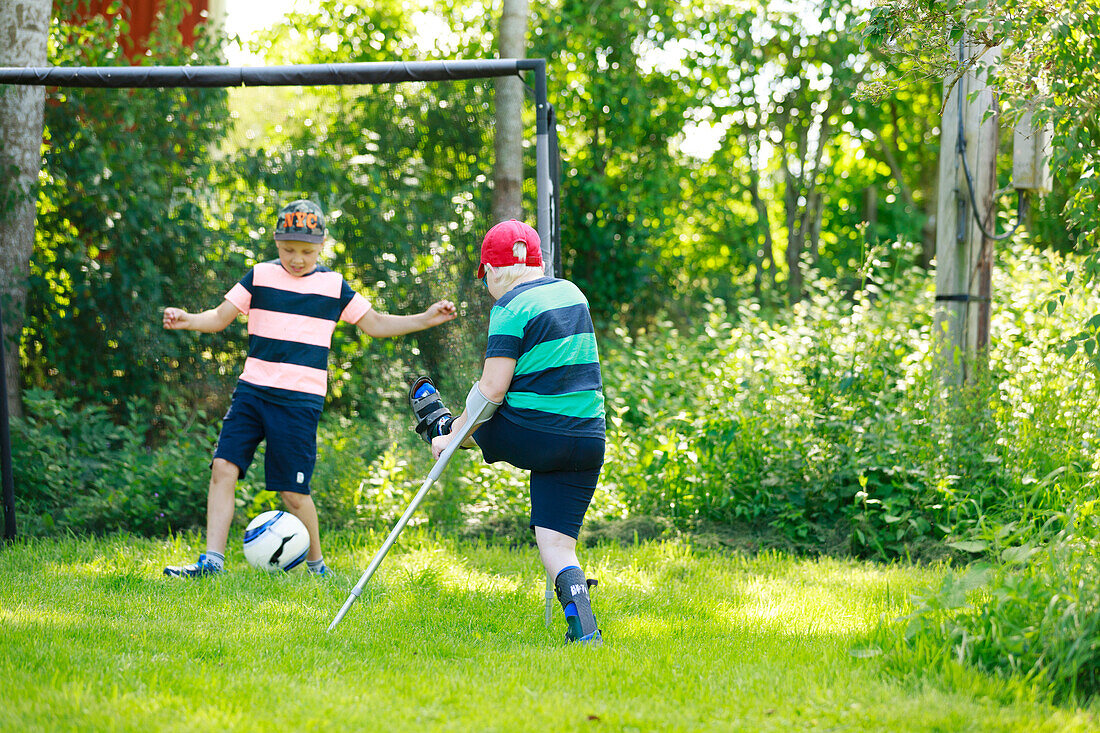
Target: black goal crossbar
<point x="375" y="72"/>
<point x="378" y="72"/>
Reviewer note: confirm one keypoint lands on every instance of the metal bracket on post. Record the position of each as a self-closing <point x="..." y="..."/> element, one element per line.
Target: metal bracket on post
<point x="961" y="222"/>
<point x="1031" y="148"/>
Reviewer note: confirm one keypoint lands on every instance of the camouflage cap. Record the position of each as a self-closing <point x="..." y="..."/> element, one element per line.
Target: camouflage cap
<point x="301" y="221"/>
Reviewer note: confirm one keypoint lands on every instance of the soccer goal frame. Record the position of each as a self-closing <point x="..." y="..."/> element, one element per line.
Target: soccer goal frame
<point x="547" y="161"/>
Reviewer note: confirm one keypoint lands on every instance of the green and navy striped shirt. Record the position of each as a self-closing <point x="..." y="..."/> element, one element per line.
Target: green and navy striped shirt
<point x="557" y="388"/>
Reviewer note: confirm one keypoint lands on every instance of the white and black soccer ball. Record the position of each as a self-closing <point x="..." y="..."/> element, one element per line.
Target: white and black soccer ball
<point x="276" y="541"/>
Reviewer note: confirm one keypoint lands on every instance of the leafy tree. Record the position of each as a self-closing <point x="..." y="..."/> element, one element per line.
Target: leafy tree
<point x="790" y="78"/>
<point x="403" y="170"/>
<point x="785" y="189"/>
<point x="645" y="225"/>
<point x="121" y="231"/>
<point x="1049" y="56"/>
<point x="618" y="116"/>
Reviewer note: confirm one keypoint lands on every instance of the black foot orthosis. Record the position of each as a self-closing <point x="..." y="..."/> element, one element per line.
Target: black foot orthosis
<point x="432" y="417"/>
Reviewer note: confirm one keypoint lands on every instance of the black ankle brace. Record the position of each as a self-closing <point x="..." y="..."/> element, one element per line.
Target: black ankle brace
<point x="432" y="417"/>
<point x="572" y="587"/>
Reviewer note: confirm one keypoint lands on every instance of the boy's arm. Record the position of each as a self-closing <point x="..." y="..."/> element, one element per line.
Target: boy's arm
<point x="209" y="321"/>
<point x="496" y="377"/>
<point x="382" y="325"/>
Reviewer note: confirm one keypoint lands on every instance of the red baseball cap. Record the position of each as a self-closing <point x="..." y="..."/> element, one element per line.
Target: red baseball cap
<point x="497" y="247"/>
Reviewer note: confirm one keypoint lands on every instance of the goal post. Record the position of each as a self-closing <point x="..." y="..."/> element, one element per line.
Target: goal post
<point x="7" y="472"/>
<point x="547" y="170"/>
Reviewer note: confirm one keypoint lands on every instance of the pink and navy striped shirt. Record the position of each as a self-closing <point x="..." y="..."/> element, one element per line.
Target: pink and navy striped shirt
<point x="290" y="325"/>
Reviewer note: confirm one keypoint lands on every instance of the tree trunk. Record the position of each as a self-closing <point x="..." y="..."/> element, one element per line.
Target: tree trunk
<point x="766" y="257"/>
<point x="792" y="189"/>
<point x="891" y="159"/>
<point x="24" y="28"/>
<point x="928" y="231"/>
<point x="508" y="138"/>
<point x="811" y="218"/>
<point x="816" y="206"/>
<point x="870" y="213"/>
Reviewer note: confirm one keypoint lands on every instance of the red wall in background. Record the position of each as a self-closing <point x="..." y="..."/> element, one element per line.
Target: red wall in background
<point x="142" y="14"/>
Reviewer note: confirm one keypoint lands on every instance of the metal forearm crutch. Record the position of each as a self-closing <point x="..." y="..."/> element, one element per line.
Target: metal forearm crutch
<point x="478" y="410"/>
<point x="548" y="616"/>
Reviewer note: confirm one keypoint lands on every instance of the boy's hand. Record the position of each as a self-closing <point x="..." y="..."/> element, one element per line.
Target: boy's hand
<point x="176" y="318"/>
<point x="439" y="312"/>
<point x="439" y="444"/>
<point x="209" y="321"/>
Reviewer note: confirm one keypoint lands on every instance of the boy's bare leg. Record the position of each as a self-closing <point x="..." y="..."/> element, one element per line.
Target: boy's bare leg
<point x="557" y="550"/>
<point x="219" y="504"/>
<point x="219" y="515"/>
<point x="302" y="506"/>
<point x="559" y="557"/>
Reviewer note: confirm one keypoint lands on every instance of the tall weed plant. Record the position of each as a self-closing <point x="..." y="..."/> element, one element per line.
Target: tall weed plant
<point x="1034" y="616"/>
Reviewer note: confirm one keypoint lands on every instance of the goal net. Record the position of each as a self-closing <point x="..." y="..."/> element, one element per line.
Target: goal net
<point x="161" y="185"/>
<point x="399" y="156"/>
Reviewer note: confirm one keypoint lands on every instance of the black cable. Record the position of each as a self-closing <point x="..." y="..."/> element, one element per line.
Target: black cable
<point x="964" y="298"/>
<point x="1021" y="198"/>
<point x="960" y="147"/>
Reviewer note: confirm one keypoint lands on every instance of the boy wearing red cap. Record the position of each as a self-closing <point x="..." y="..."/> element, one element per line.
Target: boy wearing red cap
<point x="293" y="305"/>
<point x="542" y="367"/>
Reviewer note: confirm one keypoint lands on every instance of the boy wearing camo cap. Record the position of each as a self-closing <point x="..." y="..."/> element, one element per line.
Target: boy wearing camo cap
<point x="293" y="305"/>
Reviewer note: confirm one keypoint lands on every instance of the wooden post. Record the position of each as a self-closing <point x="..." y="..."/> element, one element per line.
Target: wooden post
<point x="963" y="257"/>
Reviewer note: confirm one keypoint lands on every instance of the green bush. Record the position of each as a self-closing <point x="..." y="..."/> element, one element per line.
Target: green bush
<point x="121" y="229"/>
<point x="79" y="469"/>
<point x="75" y="469"/>
<point x="830" y="424"/>
<point x="827" y="426"/>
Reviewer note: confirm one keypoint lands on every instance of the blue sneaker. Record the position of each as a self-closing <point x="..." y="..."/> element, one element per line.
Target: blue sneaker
<point x="195" y="570"/>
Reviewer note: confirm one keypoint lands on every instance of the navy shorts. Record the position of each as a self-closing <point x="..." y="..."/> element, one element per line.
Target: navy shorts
<point x="564" y="470"/>
<point x="290" y="432"/>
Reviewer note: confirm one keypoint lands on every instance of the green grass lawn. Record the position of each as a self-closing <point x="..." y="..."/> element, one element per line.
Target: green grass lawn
<point x="450" y="636"/>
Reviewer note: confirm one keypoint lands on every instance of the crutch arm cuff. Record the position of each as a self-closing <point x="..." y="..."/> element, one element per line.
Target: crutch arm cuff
<point x="479" y="408"/>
